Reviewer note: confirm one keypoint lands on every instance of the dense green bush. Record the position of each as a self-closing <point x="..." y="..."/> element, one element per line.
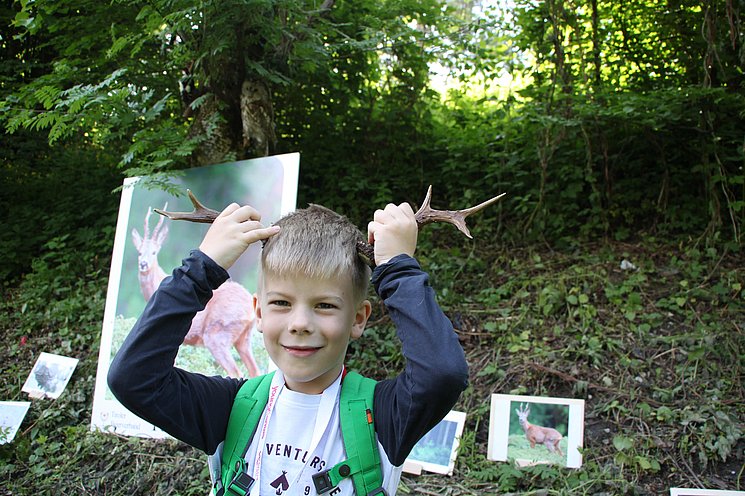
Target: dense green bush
<point x="54" y="199"/>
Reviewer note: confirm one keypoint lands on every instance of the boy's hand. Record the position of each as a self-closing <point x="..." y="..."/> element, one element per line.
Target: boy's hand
<point x="233" y="231"/>
<point x="393" y="231"/>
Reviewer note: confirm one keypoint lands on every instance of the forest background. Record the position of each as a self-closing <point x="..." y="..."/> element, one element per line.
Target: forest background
<point x="612" y="271"/>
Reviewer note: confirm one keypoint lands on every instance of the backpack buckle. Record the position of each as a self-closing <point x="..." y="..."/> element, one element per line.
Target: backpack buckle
<point x="378" y="492"/>
<point x="240" y="485"/>
<point x="322" y="481"/>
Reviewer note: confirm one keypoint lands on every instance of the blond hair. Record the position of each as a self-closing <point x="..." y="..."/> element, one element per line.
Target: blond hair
<point x="319" y="243"/>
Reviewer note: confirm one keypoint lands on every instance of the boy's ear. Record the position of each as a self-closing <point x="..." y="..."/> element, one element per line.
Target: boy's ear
<point x="257" y="311"/>
<point x="360" y="318"/>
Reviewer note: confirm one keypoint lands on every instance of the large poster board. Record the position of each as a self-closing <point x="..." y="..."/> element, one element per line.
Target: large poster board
<point x="268" y="184"/>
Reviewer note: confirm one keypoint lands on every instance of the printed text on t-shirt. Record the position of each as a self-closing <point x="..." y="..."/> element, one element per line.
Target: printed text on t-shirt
<point x="278" y="449"/>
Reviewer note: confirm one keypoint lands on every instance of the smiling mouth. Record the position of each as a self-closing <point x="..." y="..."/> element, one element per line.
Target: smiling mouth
<point x="301" y="351"/>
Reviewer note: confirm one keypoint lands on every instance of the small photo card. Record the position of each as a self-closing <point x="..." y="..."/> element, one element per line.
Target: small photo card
<point x="437" y="450"/>
<point x="532" y="430"/>
<point x="12" y="414"/>
<point x="682" y="491"/>
<point x="50" y="376"/>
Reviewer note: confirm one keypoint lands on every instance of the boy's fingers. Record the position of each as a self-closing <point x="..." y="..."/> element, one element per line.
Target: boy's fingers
<point x="380" y="215"/>
<point x="261" y="233"/>
<point x="249" y="226"/>
<point x="247" y="212"/>
<point x="229" y="210"/>
<point x="371" y="227"/>
<point x="404" y="213"/>
<point x="392" y="212"/>
<point x="407" y="210"/>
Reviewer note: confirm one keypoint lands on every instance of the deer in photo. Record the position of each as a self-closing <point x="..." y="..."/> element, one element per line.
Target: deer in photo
<point x="536" y="434"/>
<point x="225" y="322"/>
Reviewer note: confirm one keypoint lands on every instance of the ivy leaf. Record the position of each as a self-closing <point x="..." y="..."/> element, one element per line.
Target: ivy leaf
<point x="623" y="443"/>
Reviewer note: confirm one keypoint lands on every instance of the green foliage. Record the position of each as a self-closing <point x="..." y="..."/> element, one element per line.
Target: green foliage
<point x="710" y="434"/>
<point x="377" y="354"/>
<point x="629" y="457"/>
<point x="53" y="193"/>
<point x="372" y="95"/>
<point x="611" y="135"/>
<point x="519" y="449"/>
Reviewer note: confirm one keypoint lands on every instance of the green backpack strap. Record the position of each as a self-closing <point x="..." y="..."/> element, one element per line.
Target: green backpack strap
<point x="360" y="443"/>
<point x="248" y="407"/>
<point x="357" y="430"/>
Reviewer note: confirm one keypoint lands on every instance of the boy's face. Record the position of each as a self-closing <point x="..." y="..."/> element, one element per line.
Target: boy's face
<point x="307" y="324"/>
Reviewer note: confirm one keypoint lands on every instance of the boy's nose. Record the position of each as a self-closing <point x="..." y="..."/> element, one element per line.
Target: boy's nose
<point x="300" y="321"/>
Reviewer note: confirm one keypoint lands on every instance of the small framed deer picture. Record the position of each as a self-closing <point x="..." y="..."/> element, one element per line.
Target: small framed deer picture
<point x="50" y="375"/>
<point x="532" y="430"/>
<point x="12" y="414"/>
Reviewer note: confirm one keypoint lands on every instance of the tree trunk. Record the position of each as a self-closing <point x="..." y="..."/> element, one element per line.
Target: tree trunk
<point x="257" y="117"/>
<point x="235" y="130"/>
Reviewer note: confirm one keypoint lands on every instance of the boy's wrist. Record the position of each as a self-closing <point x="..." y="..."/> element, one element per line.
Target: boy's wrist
<point x="395" y="258"/>
<point x="216" y="273"/>
<point x="402" y="259"/>
<point x="384" y="276"/>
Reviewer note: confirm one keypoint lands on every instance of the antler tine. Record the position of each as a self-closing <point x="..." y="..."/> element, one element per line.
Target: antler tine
<point x="159" y="225"/>
<point x="146" y="227"/>
<point x="427" y="214"/>
<point x="199" y="214"/>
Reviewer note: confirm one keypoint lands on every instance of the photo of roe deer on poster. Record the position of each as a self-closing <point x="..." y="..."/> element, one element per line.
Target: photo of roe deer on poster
<point x="148" y="246"/>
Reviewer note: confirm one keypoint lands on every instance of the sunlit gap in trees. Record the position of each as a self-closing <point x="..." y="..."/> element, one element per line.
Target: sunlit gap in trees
<point x="461" y="67"/>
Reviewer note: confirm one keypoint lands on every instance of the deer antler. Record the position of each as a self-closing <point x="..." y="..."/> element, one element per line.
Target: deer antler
<point x="425" y="215"/>
<point x="199" y="214"/>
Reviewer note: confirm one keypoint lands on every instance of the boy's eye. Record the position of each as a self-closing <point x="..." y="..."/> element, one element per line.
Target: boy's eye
<point x="280" y="303"/>
<point x="326" y="306"/>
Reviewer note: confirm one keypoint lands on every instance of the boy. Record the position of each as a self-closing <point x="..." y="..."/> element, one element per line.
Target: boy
<point x="310" y="304"/>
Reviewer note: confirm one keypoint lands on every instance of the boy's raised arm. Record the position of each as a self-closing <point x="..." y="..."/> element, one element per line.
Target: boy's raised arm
<point x="436" y="371"/>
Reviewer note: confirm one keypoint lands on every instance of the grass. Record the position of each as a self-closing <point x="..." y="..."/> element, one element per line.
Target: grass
<point x="518" y="448"/>
<point x="656" y="353"/>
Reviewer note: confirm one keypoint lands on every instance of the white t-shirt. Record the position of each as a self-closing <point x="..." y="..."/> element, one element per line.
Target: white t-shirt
<point x="288" y="459"/>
